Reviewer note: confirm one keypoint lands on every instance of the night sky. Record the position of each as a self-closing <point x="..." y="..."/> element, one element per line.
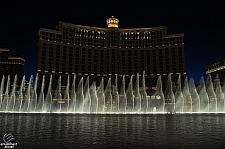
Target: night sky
<point x="201" y="22"/>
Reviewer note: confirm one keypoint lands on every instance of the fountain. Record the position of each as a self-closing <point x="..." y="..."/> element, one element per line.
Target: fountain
<point x="110" y="99"/>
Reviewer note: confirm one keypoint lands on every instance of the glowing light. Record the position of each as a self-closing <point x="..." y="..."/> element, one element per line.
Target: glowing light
<point x="112" y="22"/>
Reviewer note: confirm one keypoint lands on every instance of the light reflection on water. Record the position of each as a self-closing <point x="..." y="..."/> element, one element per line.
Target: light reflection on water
<point x="117" y="131"/>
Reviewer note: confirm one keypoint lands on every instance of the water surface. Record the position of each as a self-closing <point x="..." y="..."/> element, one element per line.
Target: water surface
<point x="115" y="131"/>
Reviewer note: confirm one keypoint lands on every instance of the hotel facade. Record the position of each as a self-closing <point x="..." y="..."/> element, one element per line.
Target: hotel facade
<point x="217" y="68"/>
<point x="11" y="65"/>
<point x="109" y="52"/>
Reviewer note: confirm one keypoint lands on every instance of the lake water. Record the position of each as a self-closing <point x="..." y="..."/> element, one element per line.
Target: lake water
<point x="114" y="131"/>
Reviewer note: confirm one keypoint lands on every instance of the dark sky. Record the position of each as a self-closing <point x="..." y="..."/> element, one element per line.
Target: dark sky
<point x="201" y="22"/>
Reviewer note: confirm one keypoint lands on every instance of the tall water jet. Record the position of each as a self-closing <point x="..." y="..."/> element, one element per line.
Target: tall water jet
<point x="211" y="94"/>
<point x="48" y="98"/>
<point x="179" y="102"/>
<point x="122" y="97"/>
<point x="223" y="87"/>
<point x="157" y="103"/>
<point x="219" y="94"/>
<point x="130" y="96"/>
<point x="204" y="99"/>
<point x="80" y="97"/>
<point x="13" y="104"/>
<point x="137" y="96"/>
<point x="66" y="98"/>
<point x="21" y="98"/>
<point x="101" y="96"/>
<point x="2" y="91"/>
<point x="72" y="103"/>
<point x="223" y="90"/>
<point x="169" y="96"/>
<point x="94" y="98"/>
<point x="26" y="101"/>
<point x="187" y="98"/>
<point x="5" y="101"/>
<point x="40" y="104"/>
<point x="115" y="96"/>
<point x="194" y="96"/>
<point x="33" y="99"/>
<point x="144" y="98"/>
<point x="108" y="96"/>
<point x="87" y="96"/>
<point x="57" y="98"/>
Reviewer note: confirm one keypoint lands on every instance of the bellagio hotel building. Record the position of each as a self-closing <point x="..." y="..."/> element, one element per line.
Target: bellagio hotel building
<point x="109" y="52"/>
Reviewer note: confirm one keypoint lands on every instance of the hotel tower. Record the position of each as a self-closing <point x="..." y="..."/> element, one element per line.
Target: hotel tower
<point x="109" y="52"/>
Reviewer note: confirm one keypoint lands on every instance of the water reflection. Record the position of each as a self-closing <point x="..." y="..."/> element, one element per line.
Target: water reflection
<point x="117" y="131"/>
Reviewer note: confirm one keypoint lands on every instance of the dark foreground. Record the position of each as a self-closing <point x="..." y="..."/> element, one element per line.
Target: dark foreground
<point x="114" y="131"/>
